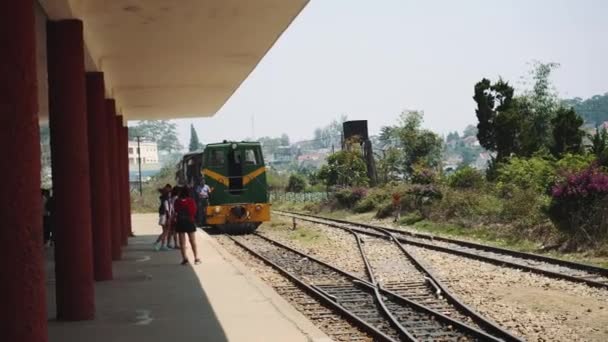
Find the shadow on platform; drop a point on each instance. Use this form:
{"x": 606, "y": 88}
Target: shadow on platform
{"x": 152, "y": 298}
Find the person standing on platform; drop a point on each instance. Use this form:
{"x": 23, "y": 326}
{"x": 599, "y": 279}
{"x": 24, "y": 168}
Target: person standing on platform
{"x": 203, "y": 194}
{"x": 185, "y": 211}
{"x": 163, "y": 219}
{"x": 172, "y": 217}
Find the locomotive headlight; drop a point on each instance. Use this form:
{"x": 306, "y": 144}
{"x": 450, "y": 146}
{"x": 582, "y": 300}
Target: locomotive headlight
{"x": 258, "y": 207}
{"x": 217, "y": 210}
{"x": 234, "y": 146}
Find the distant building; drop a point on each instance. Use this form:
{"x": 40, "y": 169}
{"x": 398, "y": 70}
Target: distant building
{"x": 470, "y": 141}
{"x": 282, "y": 155}
{"x": 148, "y": 153}
{"x": 315, "y": 159}
{"x": 482, "y": 160}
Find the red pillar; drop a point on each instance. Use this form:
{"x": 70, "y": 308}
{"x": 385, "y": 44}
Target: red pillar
{"x": 127, "y": 185}
{"x": 113, "y": 171}
{"x": 71, "y": 185}
{"x": 100, "y": 177}
{"x": 22, "y": 294}
{"x": 120, "y": 179}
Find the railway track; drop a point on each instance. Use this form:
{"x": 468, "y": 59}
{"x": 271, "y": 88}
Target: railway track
{"x": 555, "y": 268}
{"x": 384, "y": 314}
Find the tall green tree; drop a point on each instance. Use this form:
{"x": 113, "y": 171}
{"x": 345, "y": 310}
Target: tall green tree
{"x": 567, "y": 133}
{"x": 195, "y": 144}
{"x": 498, "y": 125}
{"x": 599, "y": 145}
{"x": 410, "y": 144}
{"x": 522, "y": 125}
{"x": 162, "y": 132}
{"x": 540, "y": 104}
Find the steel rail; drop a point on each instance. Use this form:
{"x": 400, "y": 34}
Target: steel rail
{"x": 368, "y": 268}
{"x": 319, "y": 294}
{"x": 501, "y": 334}
{"x": 402, "y": 236}
{"x": 486, "y": 324}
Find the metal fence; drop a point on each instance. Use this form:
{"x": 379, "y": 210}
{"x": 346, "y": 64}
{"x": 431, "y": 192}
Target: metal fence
{"x": 301, "y": 197}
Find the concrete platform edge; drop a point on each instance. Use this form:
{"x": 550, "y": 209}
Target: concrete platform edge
{"x": 302, "y": 323}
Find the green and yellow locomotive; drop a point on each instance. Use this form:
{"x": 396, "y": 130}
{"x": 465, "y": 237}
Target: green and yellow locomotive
{"x": 237, "y": 175}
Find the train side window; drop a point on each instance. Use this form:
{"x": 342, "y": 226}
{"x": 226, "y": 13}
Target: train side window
{"x": 217, "y": 158}
{"x": 250, "y": 157}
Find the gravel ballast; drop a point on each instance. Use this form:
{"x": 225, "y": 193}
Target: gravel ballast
{"x": 532, "y": 306}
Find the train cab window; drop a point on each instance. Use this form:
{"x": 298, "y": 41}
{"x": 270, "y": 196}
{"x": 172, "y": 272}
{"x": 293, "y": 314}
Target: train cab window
{"x": 216, "y": 158}
{"x": 250, "y": 157}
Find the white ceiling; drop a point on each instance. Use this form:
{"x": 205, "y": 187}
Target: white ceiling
{"x": 175, "y": 58}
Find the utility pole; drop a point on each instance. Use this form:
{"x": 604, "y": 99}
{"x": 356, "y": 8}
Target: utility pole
{"x": 141, "y": 192}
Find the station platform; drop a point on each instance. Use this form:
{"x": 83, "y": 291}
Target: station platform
{"x": 154, "y": 299}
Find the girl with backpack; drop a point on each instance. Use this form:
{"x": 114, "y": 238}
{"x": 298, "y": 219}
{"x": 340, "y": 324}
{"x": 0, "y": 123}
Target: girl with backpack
{"x": 185, "y": 212}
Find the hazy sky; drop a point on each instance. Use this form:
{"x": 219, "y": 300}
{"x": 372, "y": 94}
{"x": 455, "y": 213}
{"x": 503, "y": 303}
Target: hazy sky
{"x": 372, "y": 59}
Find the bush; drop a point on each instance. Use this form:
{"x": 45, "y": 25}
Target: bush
{"x": 374, "y": 198}
{"x": 348, "y": 197}
{"x": 524, "y": 208}
{"x": 466, "y": 178}
{"x": 571, "y": 163}
{"x": 579, "y": 205}
{"x": 385, "y": 210}
{"x": 423, "y": 196}
{"x": 296, "y": 183}
{"x": 423, "y": 175}
{"x": 365, "y": 205}
{"x": 533, "y": 173}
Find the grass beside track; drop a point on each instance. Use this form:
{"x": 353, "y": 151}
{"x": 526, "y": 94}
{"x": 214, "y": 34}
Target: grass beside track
{"x": 505, "y": 238}
{"x": 302, "y": 234}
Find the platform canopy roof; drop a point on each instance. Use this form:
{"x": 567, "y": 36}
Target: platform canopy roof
{"x": 167, "y": 59}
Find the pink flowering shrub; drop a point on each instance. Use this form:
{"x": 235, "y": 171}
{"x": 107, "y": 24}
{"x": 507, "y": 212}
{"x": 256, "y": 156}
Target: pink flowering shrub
{"x": 587, "y": 183}
{"x": 579, "y": 203}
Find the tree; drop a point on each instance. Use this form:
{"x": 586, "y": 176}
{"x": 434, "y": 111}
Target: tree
{"x": 469, "y": 156}
{"x": 344, "y": 168}
{"x": 452, "y": 136}
{"x": 541, "y": 104}
{"x": 194, "y": 142}
{"x": 469, "y": 131}
{"x": 407, "y": 144}
{"x": 296, "y": 183}
{"x": 567, "y": 133}
{"x": 390, "y": 165}
{"x": 388, "y": 137}
{"x": 329, "y": 135}
{"x": 494, "y": 114}
{"x": 594, "y": 110}
{"x": 599, "y": 145}
{"x": 162, "y": 132}
{"x": 419, "y": 146}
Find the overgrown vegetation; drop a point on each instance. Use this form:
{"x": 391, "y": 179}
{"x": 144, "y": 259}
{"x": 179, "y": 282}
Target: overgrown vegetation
{"x": 148, "y": 201}
{"x": 547, "y": 184}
